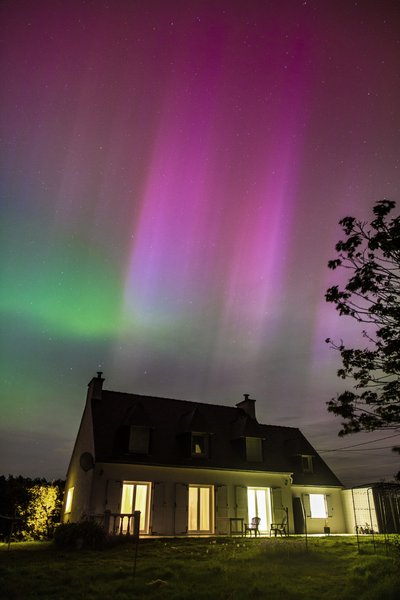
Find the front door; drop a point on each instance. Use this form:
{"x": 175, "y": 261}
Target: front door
{"x": 259, "y": 505}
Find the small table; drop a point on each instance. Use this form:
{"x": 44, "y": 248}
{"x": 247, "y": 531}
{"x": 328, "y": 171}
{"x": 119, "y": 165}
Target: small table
{"x": 238, "y": 522}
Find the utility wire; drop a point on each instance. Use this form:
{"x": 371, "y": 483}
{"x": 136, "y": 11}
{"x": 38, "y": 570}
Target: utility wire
{"x": 358, "y": 449}
{"x": 362, "y": 444}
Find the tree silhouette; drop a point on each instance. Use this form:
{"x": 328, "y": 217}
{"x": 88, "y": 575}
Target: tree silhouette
{"x": 371, "y": 254}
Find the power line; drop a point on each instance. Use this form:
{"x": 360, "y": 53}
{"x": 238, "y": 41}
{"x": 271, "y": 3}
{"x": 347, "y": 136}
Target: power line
{"x": 388, "y": 437}
{"x": 359, "y": 449}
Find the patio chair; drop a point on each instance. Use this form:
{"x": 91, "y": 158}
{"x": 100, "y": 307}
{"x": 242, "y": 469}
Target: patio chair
{"x": 252, "y": 526}
{"x": 279, "y": 527}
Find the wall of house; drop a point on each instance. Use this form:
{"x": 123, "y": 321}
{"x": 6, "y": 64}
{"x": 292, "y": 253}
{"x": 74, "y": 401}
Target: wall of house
{"x": 335, "y": 518}
{"x": 359, "y": 509}
{"x": 77, "y": 477}
{"x": 168, "y": 515}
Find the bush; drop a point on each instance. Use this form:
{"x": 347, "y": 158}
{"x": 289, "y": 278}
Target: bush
{"x": 75, "y": 536}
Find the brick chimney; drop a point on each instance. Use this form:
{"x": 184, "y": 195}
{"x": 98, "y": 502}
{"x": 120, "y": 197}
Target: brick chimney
{"x": 96, "y": 386}
{"x": 248, "y": 405}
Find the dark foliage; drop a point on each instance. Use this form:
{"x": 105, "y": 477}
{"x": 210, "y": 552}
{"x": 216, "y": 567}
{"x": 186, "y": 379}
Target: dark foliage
{"x": 76, "y": 536}
{"x": 371, "y": 254}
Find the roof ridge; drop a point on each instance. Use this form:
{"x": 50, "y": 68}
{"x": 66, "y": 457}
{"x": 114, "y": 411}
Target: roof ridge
{"x": 173, "y": 399}
{"x": 195, "y": 402}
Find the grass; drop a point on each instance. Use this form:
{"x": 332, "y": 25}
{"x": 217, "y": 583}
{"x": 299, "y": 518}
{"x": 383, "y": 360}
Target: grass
{"x": 202, "y": 568}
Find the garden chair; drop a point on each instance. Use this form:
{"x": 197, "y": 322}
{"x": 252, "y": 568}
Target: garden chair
{"x": 252, "y": 526}
{"x": 279, "y": 527}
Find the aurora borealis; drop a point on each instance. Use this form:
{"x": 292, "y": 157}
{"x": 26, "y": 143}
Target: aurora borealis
{"x": 173, "y": 173}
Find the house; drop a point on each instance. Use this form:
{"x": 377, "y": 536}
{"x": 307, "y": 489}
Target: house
{"x": 192, "y": 468}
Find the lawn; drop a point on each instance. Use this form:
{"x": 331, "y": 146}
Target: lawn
{"x": 226, "y": 568}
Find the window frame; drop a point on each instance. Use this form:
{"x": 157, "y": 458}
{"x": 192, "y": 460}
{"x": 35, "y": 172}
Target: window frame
{"x": 260, "y": 450}
{"x": 313, "y": 508}
{"x": 211, "y": 508}
{"x": 146, "y": 517}
{"x": 131, "y": 447}
{"x": 206, "y": 439}
{"x": 307, "y": 463}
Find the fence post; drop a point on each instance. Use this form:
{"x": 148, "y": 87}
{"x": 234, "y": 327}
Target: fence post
{"x": 136, "y": 529}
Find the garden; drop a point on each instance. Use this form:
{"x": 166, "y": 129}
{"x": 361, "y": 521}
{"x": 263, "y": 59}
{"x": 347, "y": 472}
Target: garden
{"x": 293, "y": 568}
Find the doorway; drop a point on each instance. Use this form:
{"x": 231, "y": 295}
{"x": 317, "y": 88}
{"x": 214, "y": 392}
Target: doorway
{"x": 200, "y": 509}
{"x": 136, "y": 496}
{"x": 259, "y": 505}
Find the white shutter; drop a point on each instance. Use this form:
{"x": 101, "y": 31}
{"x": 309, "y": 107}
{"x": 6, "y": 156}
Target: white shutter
{"x": 278, "y": 512}
{"x": 158, "y": 508}
{"x": 181, "y": 508}
{"x": 241, "y": 501}
{"x": 329, "y": 505}
{"x": 221, "y": 504}
{"x": 306, "y": 505}
{"x": 113, "y": 495}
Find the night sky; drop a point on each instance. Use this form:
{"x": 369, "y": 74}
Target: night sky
{"x": 173, "y": 174}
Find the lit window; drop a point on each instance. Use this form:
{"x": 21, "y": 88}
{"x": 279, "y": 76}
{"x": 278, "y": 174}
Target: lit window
{"x": 318, "y": 506}
{"x": 68, "y": 502}
{"x": 200, "y": 508}
{"x": 199, "y": 444}
{"x": 307, "y": 464}
{"x": 139, "y": 440}
{"x": 254, "y": 449}
{"x": 136, "y": 496}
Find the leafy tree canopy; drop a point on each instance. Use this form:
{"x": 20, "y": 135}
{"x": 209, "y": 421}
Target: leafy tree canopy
{"x": 42, "y": 512}
{"x": 371, "y": 254}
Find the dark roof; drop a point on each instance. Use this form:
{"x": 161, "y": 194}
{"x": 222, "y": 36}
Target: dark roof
{"x": 171, "y": 422}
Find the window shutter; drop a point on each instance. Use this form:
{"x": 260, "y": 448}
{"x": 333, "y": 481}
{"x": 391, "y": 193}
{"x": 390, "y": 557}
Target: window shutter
{"x": 181, "y": 508}
{"x": 221, "y": 505}
{"x": 278, "y": 511}
{"x": 114, "y": 495}
{"x": 158, "y": 508}
{"x": 329, "y": 505}
{"x": 306, "y": 505}
{"x": 241, "y": 501}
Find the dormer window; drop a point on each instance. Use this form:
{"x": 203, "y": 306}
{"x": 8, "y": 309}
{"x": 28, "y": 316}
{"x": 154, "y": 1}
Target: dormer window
{"x": 139, "y": 439}
{"x": 254, "y": 449}
{"x": 199, "y": 445}
{"x": 306, "y": 463}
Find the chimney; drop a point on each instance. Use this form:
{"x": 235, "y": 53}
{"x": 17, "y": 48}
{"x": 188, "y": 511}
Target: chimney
{"x": 248, "y": 405}
{"x": 96, "y": 386}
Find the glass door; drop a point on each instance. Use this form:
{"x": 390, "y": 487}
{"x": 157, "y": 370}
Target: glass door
{"x": 200, "y": 509}
{"x": 259, "y": 505}
{"x": 136, "y": 496}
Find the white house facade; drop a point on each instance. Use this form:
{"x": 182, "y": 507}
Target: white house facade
{"x": 195, "y": 469}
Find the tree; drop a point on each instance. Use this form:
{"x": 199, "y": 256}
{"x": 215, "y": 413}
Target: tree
{"x": 371, "y": 254}
{"x": 42, "y": 512}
